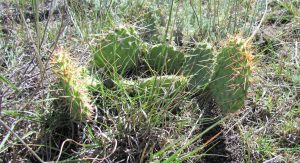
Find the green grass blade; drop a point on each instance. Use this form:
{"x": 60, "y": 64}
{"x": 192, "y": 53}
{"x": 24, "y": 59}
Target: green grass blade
{"x": 10, "y": 84}
{"x": 2, "y": 145}
{"x": 175, "y": 155}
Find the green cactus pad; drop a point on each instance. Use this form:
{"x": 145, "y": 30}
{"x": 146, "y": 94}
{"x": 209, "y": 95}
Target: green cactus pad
{"x": 230, "y": 80}
{"x": 165, "y": 59}
{"x": 199, "y": 65}
{"x": 119, "y": 49}
{"x": 74, "y": 84}
{"x": 160, "y": 84}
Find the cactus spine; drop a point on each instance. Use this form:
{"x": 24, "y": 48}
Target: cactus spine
{"x": 74, "y": 83}
{"x": 232, "y": 71}
{"x": 119, "y": 49}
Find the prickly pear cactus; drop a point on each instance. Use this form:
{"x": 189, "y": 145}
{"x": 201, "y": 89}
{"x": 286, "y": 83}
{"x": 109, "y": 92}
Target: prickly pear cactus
{"x": 74, "y": 84}
{"x": 118, "y": 50}
{"x": 160, "y": 84}
{"x": 232, "y": 71}
{"x": 167, "y": 82}
{"x": 199, "y": 65}
{"x": 164, "y": 58}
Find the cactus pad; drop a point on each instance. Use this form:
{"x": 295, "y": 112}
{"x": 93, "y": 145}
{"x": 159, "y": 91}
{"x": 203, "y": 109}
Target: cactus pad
{"x": 160, "y": 84}
{"x": 230, "y": 80}
{"x": 119, "y": 49}
{"x": 164, "y": 58}
{"x": 73, "y": 82}
{"x": 199, "y": 65}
